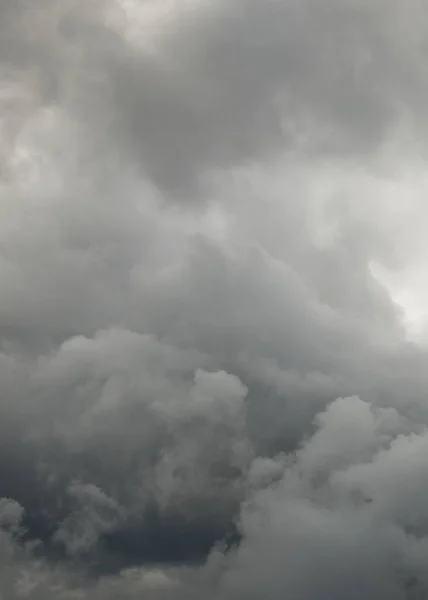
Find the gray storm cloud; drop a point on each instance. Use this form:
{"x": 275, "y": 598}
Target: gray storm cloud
{"x": 205, "y": 389}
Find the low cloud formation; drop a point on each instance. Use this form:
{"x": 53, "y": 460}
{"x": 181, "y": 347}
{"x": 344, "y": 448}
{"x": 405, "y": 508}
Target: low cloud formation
{"x": 212, "y": 286}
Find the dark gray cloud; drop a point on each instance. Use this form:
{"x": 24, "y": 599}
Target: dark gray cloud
{"x": 205, "y": 389}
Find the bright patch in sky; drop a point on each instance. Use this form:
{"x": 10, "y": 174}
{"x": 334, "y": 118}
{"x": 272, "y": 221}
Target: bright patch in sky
{"x": 408, "y": 291}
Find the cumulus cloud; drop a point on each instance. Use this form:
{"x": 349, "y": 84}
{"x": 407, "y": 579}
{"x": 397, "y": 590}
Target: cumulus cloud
{"x": 212, "y": 252}
{"x": 347, "y": 516}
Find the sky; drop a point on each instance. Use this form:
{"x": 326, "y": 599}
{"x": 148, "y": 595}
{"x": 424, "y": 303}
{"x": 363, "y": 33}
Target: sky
{"x": 213, "y": 299}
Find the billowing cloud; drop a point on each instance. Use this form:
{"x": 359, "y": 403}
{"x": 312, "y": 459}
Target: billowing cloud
{"x": 346, "y": 517}
{"x": 212, "y": 274}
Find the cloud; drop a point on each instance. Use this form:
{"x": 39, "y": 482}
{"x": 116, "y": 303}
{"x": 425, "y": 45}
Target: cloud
{"x": 211, "y": 84}
{"x": 209, "y": 212}
{"x": 345, "y": 517}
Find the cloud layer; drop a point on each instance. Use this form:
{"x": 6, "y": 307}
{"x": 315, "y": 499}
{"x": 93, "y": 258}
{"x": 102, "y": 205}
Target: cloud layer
{"x": 211, "y": 222}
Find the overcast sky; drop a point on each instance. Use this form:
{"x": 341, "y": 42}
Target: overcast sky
{"x": 213, "y": 299}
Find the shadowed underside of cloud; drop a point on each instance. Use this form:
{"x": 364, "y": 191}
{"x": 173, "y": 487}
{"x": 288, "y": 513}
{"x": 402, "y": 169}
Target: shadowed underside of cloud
{"x": 205, "y": 390}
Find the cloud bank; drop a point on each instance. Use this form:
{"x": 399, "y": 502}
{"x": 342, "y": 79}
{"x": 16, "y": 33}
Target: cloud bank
{"x": 212, "y": 247}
